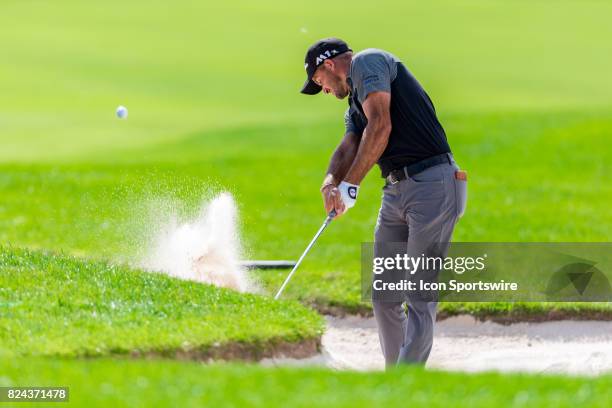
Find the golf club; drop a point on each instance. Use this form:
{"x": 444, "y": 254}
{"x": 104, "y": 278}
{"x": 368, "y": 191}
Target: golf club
{"x": 329, "y": 218}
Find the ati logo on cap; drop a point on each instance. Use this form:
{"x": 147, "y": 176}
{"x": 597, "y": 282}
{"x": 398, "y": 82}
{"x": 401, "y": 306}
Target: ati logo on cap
{"x": 327, "y": 54}
{"x": 352, "y": 192}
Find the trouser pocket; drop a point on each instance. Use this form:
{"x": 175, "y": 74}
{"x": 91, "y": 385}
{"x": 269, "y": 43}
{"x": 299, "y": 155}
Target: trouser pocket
{"x": 460, "y": 196}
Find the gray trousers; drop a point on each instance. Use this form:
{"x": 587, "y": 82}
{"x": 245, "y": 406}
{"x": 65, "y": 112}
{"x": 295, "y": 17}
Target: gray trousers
{"x": 417, "y": 211}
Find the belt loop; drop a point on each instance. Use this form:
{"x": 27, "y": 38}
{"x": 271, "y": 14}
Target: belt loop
{"x": 405, "y": 170}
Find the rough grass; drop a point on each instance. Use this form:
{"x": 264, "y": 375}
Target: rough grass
{"x": 55, "y": 305}
{"x": 164, "y": 383}
{"x": 503, "y": 312}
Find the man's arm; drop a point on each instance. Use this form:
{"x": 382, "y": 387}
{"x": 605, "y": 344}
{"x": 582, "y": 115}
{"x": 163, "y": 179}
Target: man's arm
{"x": 339, "y": 165}
{"x": 342, "y": 159}
{"x": 375, "y": 136}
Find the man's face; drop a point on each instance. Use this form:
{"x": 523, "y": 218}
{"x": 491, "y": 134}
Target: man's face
{"x": 330, "y": 77}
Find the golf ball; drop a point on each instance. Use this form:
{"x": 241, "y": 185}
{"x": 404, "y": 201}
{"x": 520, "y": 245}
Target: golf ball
{"x": 122, "y": 112}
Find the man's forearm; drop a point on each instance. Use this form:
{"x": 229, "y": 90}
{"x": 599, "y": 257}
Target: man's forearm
{"x": 341, "y": 160}
{"x": 373, "y": 144}
{"x": 338, "y": 167}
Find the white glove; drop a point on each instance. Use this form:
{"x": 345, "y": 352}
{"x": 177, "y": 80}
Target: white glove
{"x": 348, "y": 192}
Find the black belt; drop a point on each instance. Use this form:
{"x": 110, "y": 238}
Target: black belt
{"x": 397, "y": 175}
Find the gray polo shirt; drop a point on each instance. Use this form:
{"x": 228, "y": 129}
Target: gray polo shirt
{"x": 416, "y": 133}
{"x": 371, "y": 70}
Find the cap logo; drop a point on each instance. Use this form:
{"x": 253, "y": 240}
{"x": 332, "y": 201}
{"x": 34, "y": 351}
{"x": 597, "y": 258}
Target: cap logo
{"x": 327, "y": 54}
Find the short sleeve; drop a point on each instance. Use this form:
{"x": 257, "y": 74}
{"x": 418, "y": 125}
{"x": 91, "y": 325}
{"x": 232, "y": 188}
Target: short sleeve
{"x": 348, "y": 122}
{"x": 371, "y": 73}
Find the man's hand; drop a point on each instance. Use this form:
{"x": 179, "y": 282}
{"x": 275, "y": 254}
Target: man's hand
{"x": 338, "y": 166}
{"x": 348, "y": 192}
{"x": 332, "y": 198}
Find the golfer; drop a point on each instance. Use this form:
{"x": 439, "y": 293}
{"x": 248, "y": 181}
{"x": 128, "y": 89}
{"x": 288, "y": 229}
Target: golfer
{"x": 390, "y": 121}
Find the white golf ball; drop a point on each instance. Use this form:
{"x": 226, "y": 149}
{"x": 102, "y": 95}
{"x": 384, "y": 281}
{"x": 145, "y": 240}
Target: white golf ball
{"x": 122, "y": 112}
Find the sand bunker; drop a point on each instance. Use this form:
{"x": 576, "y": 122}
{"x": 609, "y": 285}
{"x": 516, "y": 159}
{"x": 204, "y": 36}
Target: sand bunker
{"x": 464, "y": 344}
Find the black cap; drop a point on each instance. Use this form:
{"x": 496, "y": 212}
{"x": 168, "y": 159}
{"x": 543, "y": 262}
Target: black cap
{"x": 317, "y": 53}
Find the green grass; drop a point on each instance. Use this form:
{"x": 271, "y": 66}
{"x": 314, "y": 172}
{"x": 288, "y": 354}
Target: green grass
{"x": 529, "y": 311}
{"x": 532, "y": 178}
{"x": 523, "y": 91}
{"x": 196, "y": 66}
{"x": 163, "y": 383}
{"x": 525, "y": 104}
{"x": 54, "y": 305}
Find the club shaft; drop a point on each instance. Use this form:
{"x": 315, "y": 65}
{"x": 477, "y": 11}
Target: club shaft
{"x": 297, "y": 264}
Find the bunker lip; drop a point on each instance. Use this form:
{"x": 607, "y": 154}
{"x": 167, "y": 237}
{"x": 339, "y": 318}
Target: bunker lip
{"x": 522, "y": 316}
{"x": 327, "y": 308}
{"x": 229, "y": 351}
